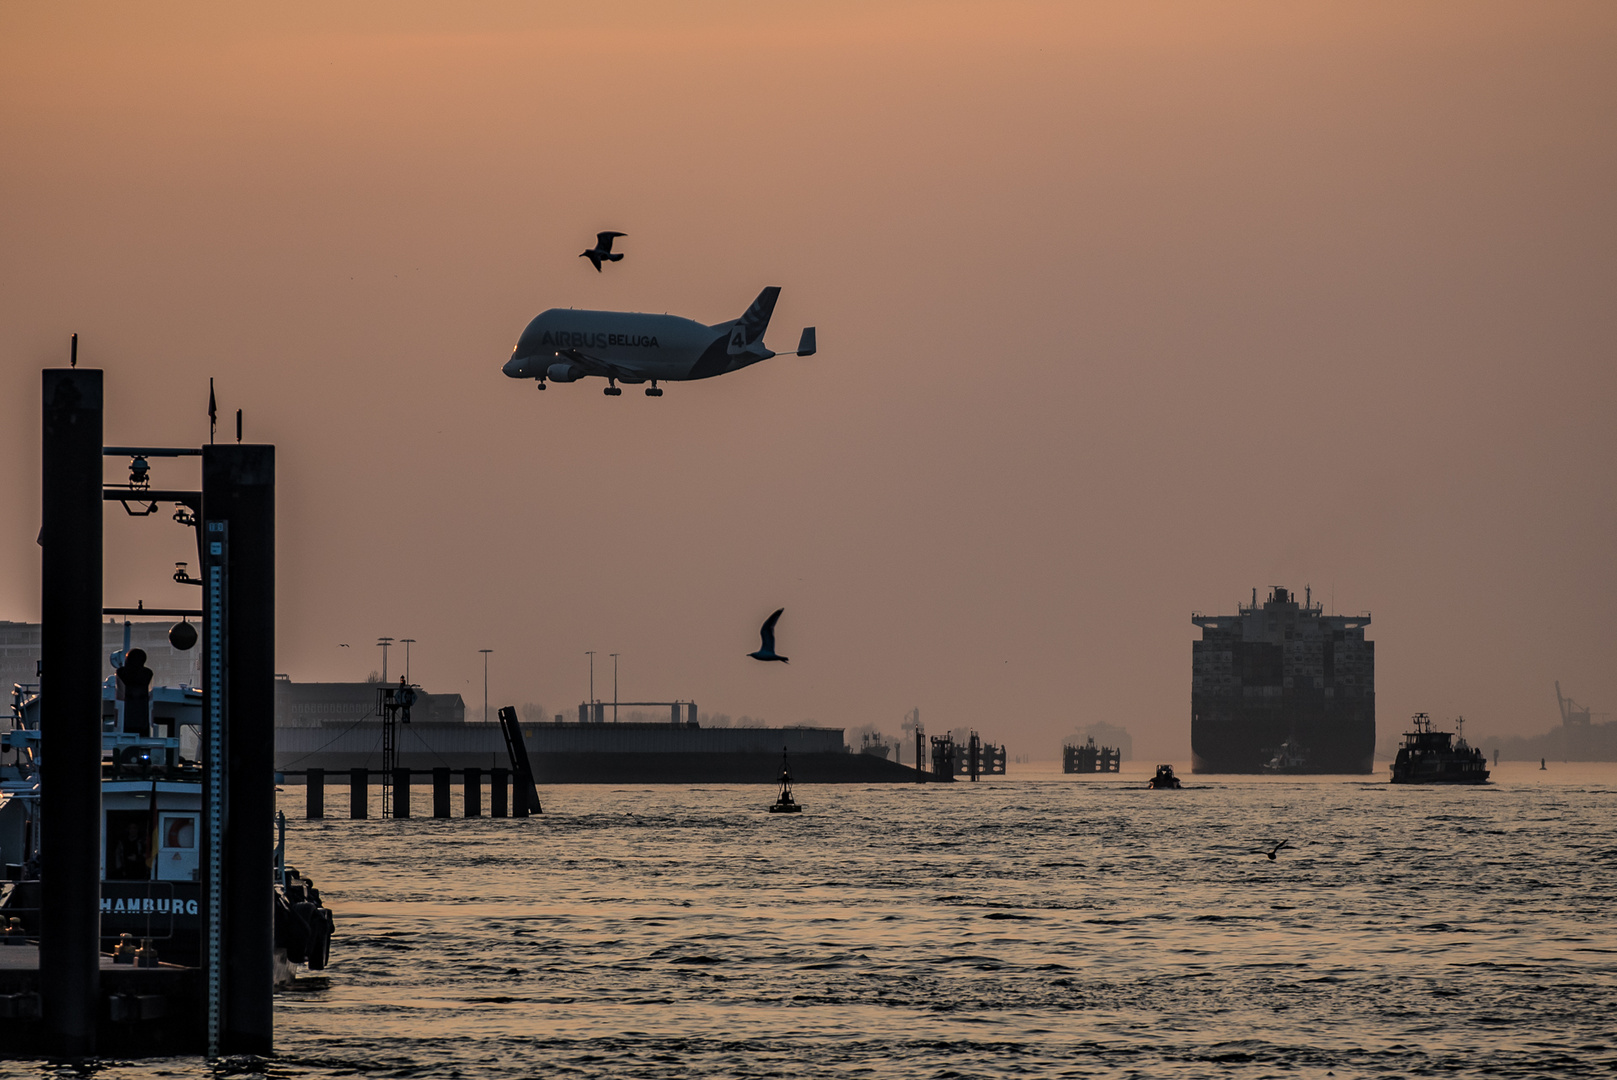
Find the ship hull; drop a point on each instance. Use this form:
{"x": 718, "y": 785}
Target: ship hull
{"x": 1334, "y": 746}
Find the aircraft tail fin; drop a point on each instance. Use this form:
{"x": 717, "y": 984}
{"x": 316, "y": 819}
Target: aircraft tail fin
{"x": 750, "y": 327}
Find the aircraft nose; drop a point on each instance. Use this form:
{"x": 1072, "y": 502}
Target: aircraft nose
{"x": 513, "y": 368}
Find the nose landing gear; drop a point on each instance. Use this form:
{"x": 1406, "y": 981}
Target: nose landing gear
{"x": 541, "y": 384}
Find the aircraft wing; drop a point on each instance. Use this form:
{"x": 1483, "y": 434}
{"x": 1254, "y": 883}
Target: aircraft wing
{"x": 594, "y": 365}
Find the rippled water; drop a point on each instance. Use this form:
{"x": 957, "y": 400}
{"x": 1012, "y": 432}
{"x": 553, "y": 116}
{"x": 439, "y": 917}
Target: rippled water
{"x": 1032, "y": 926}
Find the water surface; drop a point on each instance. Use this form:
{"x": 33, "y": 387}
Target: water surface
{"x": 1037, "y": 925}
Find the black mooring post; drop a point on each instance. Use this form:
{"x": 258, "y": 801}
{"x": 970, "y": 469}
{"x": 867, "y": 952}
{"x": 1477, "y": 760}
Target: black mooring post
{"x": 440, "y": 792}
{"x": 401, "y": 793}
{"x": 70, "y": 700}
{"x": 358, "y": 797}
{"x": 472, "y": 803}
{"x": 238, "y": 492}
{"x": 498, "y": 784}
{"x": 314, "y": 794}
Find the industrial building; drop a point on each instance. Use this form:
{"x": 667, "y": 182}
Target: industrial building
{"x": 319, "y": 704}
{"x": 1282, "y": 688}
{"x": 19, "y": 652}
{"x": 590, "y": 753}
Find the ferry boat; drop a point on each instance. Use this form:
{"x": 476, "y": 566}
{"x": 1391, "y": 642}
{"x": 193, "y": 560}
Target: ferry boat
{"x": 1437, "y": 757}
{"x": 151, "y": 810}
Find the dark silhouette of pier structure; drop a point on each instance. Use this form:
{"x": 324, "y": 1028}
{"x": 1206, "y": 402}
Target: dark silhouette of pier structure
{"x": 79, "y": 1013}
{"x": 513, "y": 789}
{"x": 1090, "y": 758}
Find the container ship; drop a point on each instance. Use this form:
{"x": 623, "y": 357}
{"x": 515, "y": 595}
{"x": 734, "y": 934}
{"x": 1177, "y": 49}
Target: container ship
{"x": 1282, "y": 683}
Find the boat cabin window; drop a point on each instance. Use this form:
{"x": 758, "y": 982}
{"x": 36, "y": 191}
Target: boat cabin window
{"x": 129, "y": 845}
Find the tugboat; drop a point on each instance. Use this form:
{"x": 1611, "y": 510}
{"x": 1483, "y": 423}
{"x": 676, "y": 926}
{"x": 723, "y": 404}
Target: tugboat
{"x": 785, "y": 804}
{"x": 1164, "y": 780}
{"x": 1437, "y": 757}
{"x": 151, "y": 809}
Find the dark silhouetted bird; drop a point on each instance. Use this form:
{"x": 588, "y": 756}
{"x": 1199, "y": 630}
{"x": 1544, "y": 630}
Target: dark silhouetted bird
{"x": 767, "y": 651}
{"x": 1272, "y": 851}
{"x": 602, "y": 251}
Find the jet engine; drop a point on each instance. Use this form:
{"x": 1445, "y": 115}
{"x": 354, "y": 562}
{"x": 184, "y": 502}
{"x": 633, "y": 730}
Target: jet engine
{"x": 563, "y": 373}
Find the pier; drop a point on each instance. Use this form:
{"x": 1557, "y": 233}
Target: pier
{"x": 504, "y": 800}
{"x": 66, "y": 996}
{"x": 1090, "y": 758}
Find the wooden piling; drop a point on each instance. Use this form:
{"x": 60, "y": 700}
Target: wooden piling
{"x": 238, "y": 524}
{"x": 314, "y": 794}
{"x": 401, "y": 793}
{"x": 472, "y": 801}
{"x": 498, "y": 785}
{"x": 358, "y": 796}
{"x": 70, "y": 701}
{"x": 440, "y": 792}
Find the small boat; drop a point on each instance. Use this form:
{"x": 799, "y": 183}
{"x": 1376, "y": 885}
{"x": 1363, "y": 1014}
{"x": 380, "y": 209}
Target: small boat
{"x": 1437, "y": 757}
{"x": 785, "y": 804}
{"x": 1164, "y": 778}
{"x": 876, "y": 746}
{"x": 1290, "y": 757}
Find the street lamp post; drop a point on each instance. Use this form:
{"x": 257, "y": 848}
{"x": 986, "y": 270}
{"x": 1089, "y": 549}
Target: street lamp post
{"x": 590, "y": 716}
{"x": 485, "y": 653}
{"x": 614, "y": 688}
{"x": 384, "y": 643}
{"x": 407, "y": 642}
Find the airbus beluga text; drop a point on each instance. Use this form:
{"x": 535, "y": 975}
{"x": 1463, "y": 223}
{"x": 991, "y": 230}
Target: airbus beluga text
{"x": 564, "y": 345}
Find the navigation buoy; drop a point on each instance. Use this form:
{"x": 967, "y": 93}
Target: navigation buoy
{"x": 785, "y": 804}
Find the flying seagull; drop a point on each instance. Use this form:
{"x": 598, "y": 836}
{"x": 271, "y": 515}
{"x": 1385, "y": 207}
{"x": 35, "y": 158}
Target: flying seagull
{"x": 602, "y": 251}
{"x": 1272, "y": 851}
{"x": 343, "y": 645}
{"x": 767, "y": 652}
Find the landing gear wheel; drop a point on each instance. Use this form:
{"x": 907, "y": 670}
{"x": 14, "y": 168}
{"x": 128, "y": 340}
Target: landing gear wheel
{"x": 613, "y": 391}
{"x": 541, "y": 385}
{"x": 654, "y": 391}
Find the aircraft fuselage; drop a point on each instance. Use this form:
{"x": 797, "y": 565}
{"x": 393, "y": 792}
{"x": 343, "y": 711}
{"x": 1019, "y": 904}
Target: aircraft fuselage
{"x": 567, "y": 344}
{"x": 636, "y": 346}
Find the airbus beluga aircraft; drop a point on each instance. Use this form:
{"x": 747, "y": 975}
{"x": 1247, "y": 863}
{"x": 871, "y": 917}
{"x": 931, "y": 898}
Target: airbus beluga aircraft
{"x": 564, "y": 345}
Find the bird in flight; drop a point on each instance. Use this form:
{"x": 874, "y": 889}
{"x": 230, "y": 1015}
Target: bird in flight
{"x": 602, "y": 251}
{"x": 767, "y": 650}
{"x": 342, "y": 645}
{"x": 1274, "y": 850}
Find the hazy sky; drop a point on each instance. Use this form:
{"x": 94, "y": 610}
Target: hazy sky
{"x": 1123, "y": 309}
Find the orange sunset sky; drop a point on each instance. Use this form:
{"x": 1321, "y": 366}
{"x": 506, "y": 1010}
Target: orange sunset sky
{"x": 1123, "y": 310}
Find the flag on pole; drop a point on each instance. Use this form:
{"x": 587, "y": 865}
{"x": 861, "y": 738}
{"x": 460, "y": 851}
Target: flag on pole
{"x": 213, "y": 412}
